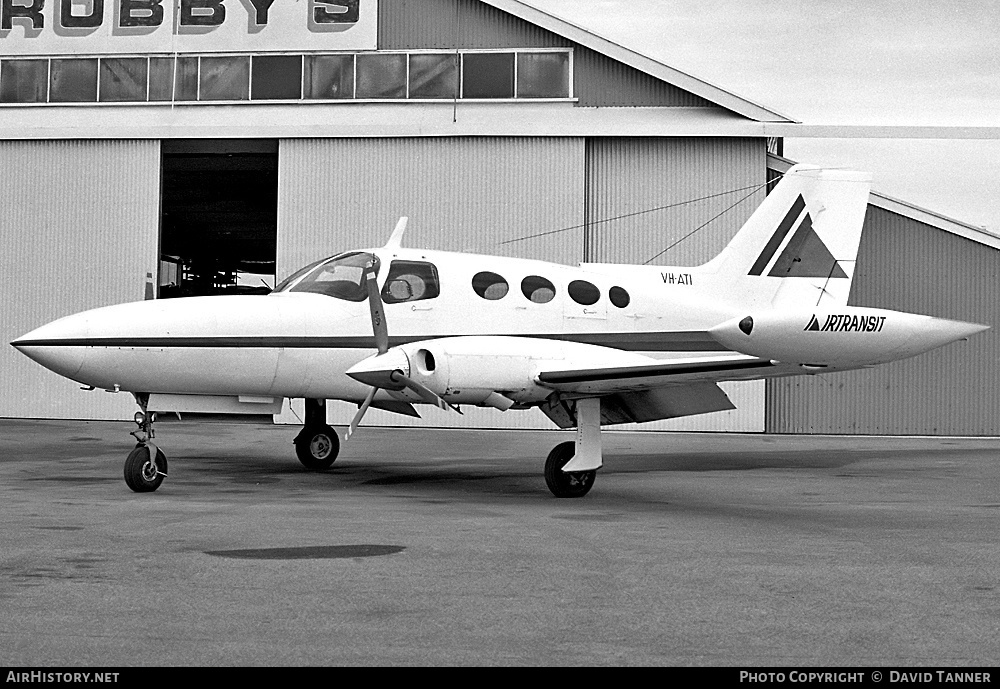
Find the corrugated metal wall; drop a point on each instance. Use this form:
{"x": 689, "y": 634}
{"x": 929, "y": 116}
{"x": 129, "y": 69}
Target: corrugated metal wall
{"x": 908, "y": 266}
{"x": 426, "y": 24}
{"x": 630, "y": 175}
{"x": 455, "y": 24}
{"x": 462, "y": 194}
{"x": 79, "y": 229}
{"x": 601, "y": 81}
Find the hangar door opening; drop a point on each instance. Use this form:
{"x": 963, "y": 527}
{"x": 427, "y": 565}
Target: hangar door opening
{"x": 219, "y": 217}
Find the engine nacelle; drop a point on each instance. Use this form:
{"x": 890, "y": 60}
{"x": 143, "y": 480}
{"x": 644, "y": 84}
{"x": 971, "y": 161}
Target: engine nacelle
{"x": 844, "y": 337}
{"x": 492, "y": 371}
{"x": 478, "y": 370}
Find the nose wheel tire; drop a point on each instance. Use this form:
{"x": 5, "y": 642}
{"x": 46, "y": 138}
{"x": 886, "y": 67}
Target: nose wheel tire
{"x": 317, "y": 448}
{"x": 563, "y": 484}
{"x": 141, "y": 474}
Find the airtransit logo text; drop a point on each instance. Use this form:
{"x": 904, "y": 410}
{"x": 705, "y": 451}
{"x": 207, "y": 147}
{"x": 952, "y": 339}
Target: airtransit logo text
{"x": 846, "y": 322}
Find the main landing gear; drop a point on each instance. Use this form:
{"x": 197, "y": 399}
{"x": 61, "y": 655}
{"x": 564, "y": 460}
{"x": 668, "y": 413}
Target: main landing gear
{"x": 317, "y": 444}
{"x": 146, "y": 465}
{"x": 566, "y": 484}
{"x": 571, "y": 467}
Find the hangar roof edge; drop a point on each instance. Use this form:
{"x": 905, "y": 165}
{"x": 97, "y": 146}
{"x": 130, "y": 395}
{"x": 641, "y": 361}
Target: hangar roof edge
{"x": 909, "y": 210}
{"x": 638, "y": 61}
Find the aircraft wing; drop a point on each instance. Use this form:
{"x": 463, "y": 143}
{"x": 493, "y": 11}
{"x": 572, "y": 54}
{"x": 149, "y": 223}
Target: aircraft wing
{"x": 673, "y": 372}
{"x": 636, "y": 393}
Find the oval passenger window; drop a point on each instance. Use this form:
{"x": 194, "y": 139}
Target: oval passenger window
{"x": 490, "y": 286}
{"x": 583, "y": 292}
{"x": 619, "y": 297}
{"x": 538, "y": 289}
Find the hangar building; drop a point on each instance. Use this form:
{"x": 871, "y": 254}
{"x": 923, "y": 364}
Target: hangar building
{"x": 153, "y": 149}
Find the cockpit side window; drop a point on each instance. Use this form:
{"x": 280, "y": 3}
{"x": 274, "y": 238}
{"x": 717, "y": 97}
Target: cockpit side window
{"x": 411, "y": 281}
{"x": 342, "y": 277}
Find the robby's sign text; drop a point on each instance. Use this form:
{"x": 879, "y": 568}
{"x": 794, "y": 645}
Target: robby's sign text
{"x": 114, "y": 27}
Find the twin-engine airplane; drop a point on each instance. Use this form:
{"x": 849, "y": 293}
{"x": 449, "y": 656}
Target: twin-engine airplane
{"x": 590, "y": 345}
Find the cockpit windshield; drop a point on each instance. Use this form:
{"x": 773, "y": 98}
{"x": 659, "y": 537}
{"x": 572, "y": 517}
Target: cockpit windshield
{"x": 342, "y": 277}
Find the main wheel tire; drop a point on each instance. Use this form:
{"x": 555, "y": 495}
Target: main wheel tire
{"x": 142, "y": 475}
{"x": 574, "y": 484}
{"x": 317, "y": 448}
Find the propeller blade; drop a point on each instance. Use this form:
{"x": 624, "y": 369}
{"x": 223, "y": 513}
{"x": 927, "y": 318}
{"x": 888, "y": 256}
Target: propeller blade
{"x": 378, "y": 312}
{"x": 426, "y": 394}
{"x": 361, "y": 412}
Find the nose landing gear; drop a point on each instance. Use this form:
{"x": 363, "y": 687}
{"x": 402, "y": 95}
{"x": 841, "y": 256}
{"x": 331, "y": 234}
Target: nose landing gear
{"x": 146, "y": 465}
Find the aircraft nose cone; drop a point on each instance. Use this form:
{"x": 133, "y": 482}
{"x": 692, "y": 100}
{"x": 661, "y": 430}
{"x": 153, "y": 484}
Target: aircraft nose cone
{"x": 58, "y": 346}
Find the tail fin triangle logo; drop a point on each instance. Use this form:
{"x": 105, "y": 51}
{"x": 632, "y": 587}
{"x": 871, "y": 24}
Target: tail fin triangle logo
{"x": 805, "y": 254}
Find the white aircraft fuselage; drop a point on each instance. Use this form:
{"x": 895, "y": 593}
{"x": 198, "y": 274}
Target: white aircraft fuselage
{"x": 300, "y": 344}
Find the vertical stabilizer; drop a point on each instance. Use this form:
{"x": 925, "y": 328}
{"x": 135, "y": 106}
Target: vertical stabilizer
{"x": 800, "y": 247}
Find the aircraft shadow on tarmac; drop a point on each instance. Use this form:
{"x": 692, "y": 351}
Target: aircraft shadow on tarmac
{"x": 519, "y": 475}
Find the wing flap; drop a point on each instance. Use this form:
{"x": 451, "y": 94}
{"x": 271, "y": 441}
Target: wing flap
{"x": 623, "y": 379}
{"x": 664, "y": 403}
{"x": 645, "y": 405}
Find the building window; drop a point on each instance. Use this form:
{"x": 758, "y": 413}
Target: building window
{"x": 224, "y": 78}
{"x": 420, "y": 75}
{"x": 488, "y": 75}
{"x": 161, "y": 78}
{"x": 329, "y": 76}
{"x": 73, "y": 80}
{"x": 490, "y": 286}
{"x": 434, "y": 76}
{"x": 276, "y": 77}
{"x": 123, "y": 79}
{"x": 24, "y": 81}
{"x": 584, "y": 293}
{"x": 381, "y": 75}
{"x": 537, "y": 289}
{"x": 543, "y": 75}
{"x": 173, "y": 80}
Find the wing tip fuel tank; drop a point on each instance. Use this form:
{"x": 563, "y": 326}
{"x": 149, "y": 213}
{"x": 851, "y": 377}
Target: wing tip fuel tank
{"x": 842, "y": 337}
